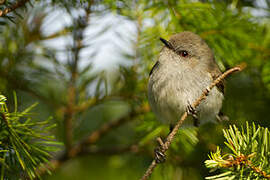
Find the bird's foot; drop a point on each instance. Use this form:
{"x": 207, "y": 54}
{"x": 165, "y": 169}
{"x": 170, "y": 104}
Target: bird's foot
{"x": 222, "y": 117}
{"x": 196, "y": 122}
{"x": 192, "y": 111}
{"x": 160, "y": 157}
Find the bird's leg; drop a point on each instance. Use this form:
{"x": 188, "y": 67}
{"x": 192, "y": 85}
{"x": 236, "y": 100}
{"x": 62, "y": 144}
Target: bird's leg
{"x": 192, "y": 111}
{"x": 159, "y": 154}
{"x": 222, "y": 117}
{"x": 171, "y": 128}
{"x": 196, "y": 122}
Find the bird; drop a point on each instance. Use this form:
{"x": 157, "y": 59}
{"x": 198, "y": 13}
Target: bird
{"x": 185, "y": 68}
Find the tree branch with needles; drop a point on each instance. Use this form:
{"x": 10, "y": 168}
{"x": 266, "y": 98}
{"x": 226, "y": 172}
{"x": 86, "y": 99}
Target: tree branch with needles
{"x": 83, "y": 148}
{"x": 15, "y": 6}
{"x": 165, "y": 145}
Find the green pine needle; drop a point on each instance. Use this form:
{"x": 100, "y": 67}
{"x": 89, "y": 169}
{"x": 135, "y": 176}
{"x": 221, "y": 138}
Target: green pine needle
{"x": 249, "y": 156}
{"x": 26, "y": 143}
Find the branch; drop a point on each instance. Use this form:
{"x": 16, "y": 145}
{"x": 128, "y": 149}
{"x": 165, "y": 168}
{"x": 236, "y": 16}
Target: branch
{"x": 56, "y": 163}
{"x": 243, "y": 160}
{"x": 13, "y": 7}
{"x": 4, "y": 118}
{"x": 170, "y": 137}
{"x": 96, "y": 135}
{"x": 91, "y": 139}
{"x": 70, "y": 112}
{"x": 135, "y": 148}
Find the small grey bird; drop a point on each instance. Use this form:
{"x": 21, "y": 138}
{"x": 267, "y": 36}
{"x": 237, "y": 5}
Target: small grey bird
{"x": 185, "y": 68}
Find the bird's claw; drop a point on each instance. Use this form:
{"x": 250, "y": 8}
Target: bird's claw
{"x": 160, "y": 157}
{"x": 192, "y": 111}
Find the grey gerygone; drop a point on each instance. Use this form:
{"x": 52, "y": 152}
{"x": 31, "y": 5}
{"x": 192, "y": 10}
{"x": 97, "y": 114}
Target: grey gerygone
{"x": 185, "y": 68}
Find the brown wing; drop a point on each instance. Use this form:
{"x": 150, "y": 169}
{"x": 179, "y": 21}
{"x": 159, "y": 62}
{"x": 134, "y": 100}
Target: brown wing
{"x": 154, "y": 67}
{"x": 215, "y": 72}
{"x": 221, "y": 84}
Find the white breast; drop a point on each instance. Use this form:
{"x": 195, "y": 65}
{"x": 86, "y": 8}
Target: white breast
{"x": 170, "y": 91}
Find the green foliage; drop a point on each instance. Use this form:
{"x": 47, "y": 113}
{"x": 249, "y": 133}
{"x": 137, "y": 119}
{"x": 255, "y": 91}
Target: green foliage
{"x": 248, "y": 157}
{"x": 56, "y": 62}
{"x": 24, "y": 143}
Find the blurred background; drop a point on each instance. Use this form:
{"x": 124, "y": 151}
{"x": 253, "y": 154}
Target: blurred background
{"x": 87, "y": 63}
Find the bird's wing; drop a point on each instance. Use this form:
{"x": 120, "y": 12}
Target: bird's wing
{"x": 221, "y": 85}
{"x": 154, "y": 67}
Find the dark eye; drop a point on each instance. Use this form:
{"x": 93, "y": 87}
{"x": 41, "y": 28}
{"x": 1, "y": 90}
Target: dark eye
{"x": 183, "y": 53}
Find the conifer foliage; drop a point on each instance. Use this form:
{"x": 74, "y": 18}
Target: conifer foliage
{"x": 24, "y": 143}
{"x": 248, "y": 156}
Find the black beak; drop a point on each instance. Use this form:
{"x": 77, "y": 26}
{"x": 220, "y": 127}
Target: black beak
{"x": 166, "y": 43}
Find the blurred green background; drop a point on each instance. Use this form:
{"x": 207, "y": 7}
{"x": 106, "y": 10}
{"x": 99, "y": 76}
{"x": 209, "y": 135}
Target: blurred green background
{"x": 87, "y": 63}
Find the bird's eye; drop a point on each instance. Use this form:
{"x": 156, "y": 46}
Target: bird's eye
{"x": 183, "y": 53}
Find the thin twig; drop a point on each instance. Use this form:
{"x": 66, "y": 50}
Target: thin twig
{"x": 5, "y": 119}
{"x": 135, "y": 148}
{"x": 13, "y": 7}
{"x": 243, "y": 160}
{"x": 94, "y": 136}
{"x": 170, "y": 137}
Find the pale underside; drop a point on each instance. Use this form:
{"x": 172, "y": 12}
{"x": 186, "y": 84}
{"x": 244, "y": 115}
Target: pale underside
{"x": 170, "y": 91}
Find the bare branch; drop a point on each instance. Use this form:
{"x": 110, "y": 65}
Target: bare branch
{"x": 112, "y": 151}
{"x": 94, "y": 136}
{"x": 13, "y": 7}
{"x": 170, "y": 137}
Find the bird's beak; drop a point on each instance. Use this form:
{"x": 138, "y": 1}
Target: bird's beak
{"x": 166, "y": 43}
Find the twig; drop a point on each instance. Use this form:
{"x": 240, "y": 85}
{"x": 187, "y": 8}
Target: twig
{"x": 135, "y": 148}
{"x": 243, "y": 160}
{"x": 69, "y": 115}
{"x": 175, "y": 13}
{"x": 94, "y": 136}
{"x": 207, "y": 33}
{"x": 13, "y": 7}
{"x": 5, "y": 119}
{"x": 170, "y": 137}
